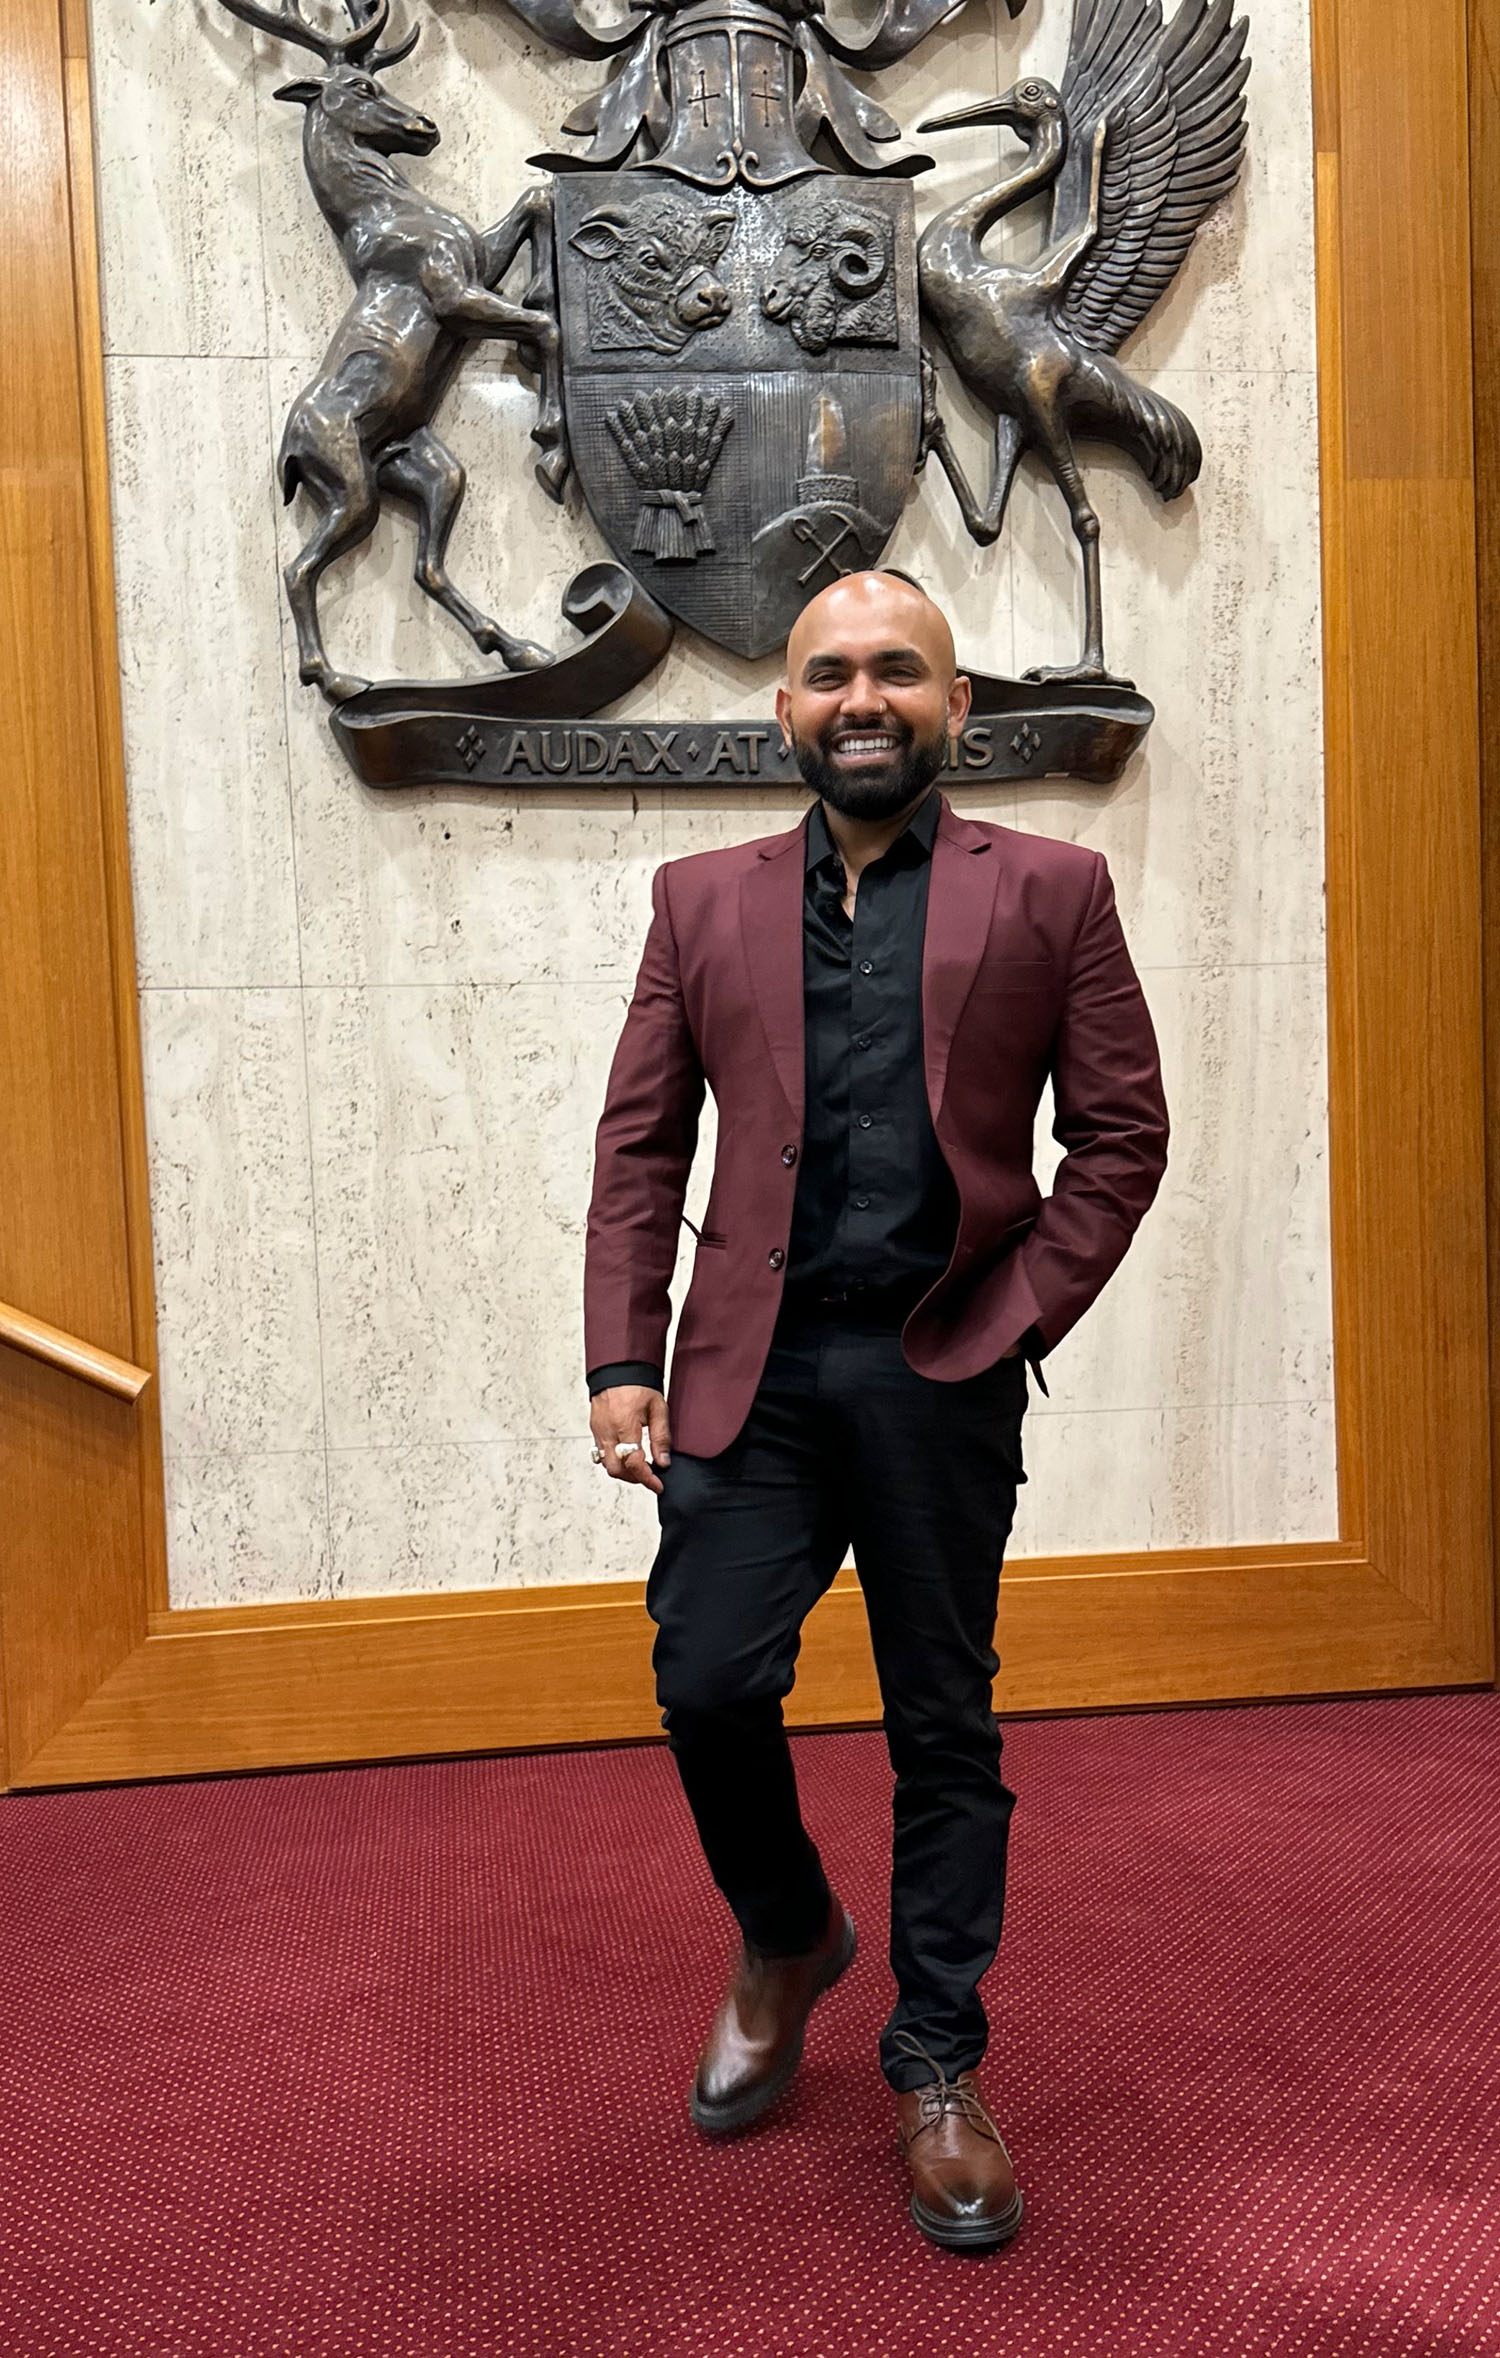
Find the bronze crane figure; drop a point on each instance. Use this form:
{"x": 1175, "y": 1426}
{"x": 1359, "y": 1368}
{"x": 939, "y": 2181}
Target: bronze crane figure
{"x": 1144, "y": 138}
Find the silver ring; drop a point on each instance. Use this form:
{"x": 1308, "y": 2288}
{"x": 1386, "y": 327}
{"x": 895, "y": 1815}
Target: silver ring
{"x": 597, "y": 1454}
{"x": 627, "y": 1448}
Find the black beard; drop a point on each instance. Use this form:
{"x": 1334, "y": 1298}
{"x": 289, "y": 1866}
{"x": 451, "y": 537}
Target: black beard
{"x": 874, "y": 793}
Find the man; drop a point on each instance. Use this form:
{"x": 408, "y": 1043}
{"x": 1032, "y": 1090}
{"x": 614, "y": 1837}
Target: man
{"x": 876, "y": 1000}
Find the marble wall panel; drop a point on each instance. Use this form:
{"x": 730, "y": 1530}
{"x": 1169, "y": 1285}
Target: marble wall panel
{"x": 697, "y": 821}
{"x": 1224, "y": 1294}
{"x": 1215, "y": 1476}
{"x": 371, "y": 1136}
{"x": 1214, "y": 835}
{"x": 248, "y": 1527}
{"x": 204, "y": 710}
{"x": 449, "y": 886}
{"x": 963, "y": 61}
{"x": 527, "y": 1513}
{"x": 178, "y": 174}
{"x": 452, "y": 1143}
{"x": 232, "y": 1221}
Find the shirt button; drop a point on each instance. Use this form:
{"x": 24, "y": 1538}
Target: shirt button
{"x": 864, "y": 1121}
{"x": 861, "y": 1203}
{"x": 865, "y": 966}
{"x": 863, "y": 1040}
{"x": 789, "y": 1155}
{"x": 776, "y": 1256}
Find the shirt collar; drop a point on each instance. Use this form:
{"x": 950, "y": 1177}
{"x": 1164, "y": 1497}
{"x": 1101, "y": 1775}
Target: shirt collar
{"x": 920, "y": 831}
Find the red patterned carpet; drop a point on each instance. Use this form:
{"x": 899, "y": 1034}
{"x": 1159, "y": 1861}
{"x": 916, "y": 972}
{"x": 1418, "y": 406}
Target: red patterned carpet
{"x": 390, "y": 2063}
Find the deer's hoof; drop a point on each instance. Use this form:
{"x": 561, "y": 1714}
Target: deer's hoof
{"x": 552, "y": 473}
{"x": 526, "y": 655}
{"x": 337, "y": 686}
{"x": 1075, "y": 675}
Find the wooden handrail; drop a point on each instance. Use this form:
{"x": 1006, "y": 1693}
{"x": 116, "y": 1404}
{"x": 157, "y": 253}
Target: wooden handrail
{"x": 59, "y": 1349}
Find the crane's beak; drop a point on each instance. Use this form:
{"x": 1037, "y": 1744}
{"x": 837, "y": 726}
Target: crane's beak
{"x": 969, "y": 118}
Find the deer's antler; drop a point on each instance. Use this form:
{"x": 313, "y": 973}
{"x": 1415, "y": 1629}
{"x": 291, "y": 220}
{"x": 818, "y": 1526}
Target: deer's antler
{"x": 359, "y": 46}
{"x": 287, "y": 23}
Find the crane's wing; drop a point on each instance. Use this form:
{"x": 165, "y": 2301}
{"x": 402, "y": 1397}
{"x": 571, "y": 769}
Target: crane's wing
{"x": 1173, "y": 98}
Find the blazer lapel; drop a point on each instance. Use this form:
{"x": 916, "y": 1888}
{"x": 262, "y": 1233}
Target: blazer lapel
{"x": 771, "y": 924}
{"x": 960, "y": 899}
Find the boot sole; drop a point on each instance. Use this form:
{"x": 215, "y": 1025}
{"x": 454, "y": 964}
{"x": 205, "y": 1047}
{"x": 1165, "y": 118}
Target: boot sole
{"x": 968, "y": 2235}
{"x": 728, "y": 2120}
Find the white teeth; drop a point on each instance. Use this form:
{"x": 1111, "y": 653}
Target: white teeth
{"x": 866, "y": 744}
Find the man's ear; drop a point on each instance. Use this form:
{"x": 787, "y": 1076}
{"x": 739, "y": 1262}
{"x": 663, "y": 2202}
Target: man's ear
{"x": 300, "y": 93}
{"x": 960, "y": 697}
{"x": 783, "y": 707}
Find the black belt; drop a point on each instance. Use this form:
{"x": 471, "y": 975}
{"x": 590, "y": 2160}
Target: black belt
{"x": 874, "y": 1305}
{"x": 870, "y": 1305}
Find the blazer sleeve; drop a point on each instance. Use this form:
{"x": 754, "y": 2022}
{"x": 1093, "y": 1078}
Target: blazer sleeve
{"x": 643, "y": 1153}
{"x": 1110, "y": 1118}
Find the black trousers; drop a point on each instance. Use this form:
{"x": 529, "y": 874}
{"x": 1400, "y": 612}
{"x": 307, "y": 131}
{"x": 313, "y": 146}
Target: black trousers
{"x": 844, "y": 1444}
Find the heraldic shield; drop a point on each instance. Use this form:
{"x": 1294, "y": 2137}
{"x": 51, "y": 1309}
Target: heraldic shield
{"x": 742, "y": 381}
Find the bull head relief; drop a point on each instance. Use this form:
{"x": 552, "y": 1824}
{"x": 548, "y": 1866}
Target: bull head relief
{"x": 651, "y": 280}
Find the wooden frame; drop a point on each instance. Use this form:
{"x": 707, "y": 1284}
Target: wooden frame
{"x": 101, "y": 1680}
{"x": 1484, "y": 217}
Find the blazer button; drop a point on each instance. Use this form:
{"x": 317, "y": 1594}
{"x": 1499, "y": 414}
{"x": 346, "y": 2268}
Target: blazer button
{"x": 776, "y": 1256}
{"x": 789, "y": 1155}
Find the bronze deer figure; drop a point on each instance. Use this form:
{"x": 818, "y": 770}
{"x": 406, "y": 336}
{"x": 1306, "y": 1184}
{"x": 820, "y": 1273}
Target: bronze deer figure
{"x": 424, "y": 288}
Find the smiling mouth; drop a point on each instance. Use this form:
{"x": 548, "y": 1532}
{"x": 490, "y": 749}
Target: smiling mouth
{"x": 865, "y": 745}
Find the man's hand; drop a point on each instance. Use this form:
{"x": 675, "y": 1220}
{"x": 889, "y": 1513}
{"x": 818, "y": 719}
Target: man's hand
{"x": 622, "y": 1414}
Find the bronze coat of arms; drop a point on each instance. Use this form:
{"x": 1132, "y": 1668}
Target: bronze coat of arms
{"x": 739, "y": 339}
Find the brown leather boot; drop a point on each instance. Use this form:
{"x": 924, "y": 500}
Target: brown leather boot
{"x": 964, "y": 2191}
{"x": 754, "y": 2044}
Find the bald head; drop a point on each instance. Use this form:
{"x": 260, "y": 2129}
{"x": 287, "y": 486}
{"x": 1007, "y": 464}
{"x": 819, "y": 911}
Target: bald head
{"x": 871, "y": 695}
{"x": 859, "y": 607}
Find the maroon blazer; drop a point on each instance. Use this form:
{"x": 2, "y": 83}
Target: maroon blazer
{"x": 1024, "y": 973}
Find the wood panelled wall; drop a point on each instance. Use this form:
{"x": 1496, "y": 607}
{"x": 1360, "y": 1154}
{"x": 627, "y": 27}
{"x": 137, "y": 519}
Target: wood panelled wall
{"x": 101, "y": 1680}
{"x": 81, "y": 1547}
{"x": 1484, "y": 217}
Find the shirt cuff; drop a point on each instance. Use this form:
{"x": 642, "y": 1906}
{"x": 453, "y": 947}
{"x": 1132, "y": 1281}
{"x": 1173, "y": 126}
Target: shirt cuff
{"x": 625, "y": 1371}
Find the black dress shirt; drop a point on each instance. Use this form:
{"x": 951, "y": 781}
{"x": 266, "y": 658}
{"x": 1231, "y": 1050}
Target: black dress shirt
{"x": 875, "y": 1207}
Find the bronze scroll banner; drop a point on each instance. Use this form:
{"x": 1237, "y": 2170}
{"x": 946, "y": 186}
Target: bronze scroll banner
{"x": 401, "y": 736}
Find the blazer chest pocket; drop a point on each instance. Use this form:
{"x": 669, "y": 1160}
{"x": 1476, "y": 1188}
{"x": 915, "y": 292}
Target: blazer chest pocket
{"x": 1008, "y": 990}
{"x": 1003, "y": 975}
